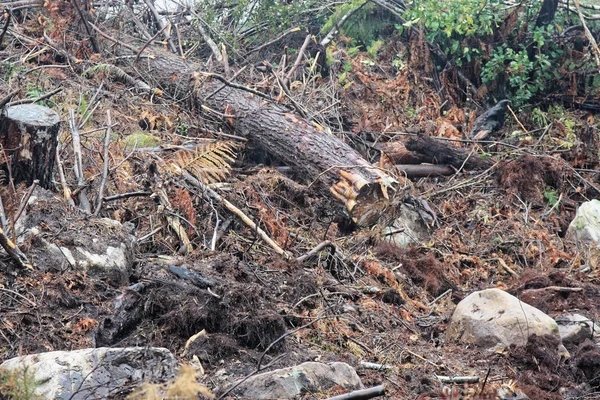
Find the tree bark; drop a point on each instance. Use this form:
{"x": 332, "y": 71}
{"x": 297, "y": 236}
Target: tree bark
{"x": 397, "y": 153}
{"x": 547, "y": 12}
{"x": 424, "y": 171}
{"x": 307, "y": 147}
{"x": 29, "y": 136}
{"x": 438, "y": 152}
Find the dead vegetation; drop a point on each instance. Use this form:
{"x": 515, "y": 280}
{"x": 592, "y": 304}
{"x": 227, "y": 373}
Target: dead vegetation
{"x": 200, "y": 265}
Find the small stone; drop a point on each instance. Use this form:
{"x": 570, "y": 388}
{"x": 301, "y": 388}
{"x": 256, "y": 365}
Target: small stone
{"x": 575, "y": 328}
{"x": 310, "y": 377}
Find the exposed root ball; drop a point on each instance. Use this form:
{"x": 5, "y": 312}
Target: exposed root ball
{"x": 528, "y": 176}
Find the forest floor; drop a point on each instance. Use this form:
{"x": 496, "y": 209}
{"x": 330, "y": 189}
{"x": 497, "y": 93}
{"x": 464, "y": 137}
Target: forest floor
{"x": 369, "y": 300}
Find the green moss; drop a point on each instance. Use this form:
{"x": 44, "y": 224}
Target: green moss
{"x": 141, "y": 139}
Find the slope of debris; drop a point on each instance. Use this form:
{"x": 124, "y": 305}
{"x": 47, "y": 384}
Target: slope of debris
{"x": 360, "y": 299}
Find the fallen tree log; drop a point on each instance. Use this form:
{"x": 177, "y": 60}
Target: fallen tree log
{"x": 313, "y": 152}
{"x": 439, "y": 152}
{"x": 397, "y": 153}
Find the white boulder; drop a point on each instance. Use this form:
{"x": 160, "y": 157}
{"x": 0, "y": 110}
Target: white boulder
{"x": 93, "y": 374}
{"x": 494, "y": 319}
{"x": 586, "y": 224}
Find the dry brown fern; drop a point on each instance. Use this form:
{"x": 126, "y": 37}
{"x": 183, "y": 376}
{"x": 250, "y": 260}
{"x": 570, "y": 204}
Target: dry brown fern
{"x": 183, "y": 202}
{"x": 184, "y": 387}
{"x": 209, "y": 163}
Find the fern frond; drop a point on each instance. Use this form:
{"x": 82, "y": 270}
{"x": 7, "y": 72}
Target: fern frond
{"x": 210, "y": 163}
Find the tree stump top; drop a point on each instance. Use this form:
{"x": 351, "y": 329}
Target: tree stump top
{"x": 32, "y": 115}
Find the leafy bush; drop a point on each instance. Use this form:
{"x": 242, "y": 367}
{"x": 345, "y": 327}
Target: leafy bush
{"x": 455, "y": 25}
{"x": 366, "y": 25}
{"x": 524, "y": 77}
{"x": 503, "y": 43}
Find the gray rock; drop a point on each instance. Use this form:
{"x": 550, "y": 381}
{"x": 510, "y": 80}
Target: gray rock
{"x": 490, "y": 121}
{"x": 494, "y": 319}
{"x": 58, "y": 238}
{"x": 93, "y": 374}
{"x": 575, "y": 328}
{"x": 410, "y": 228}
{"x": 586, "y": 224}
{"x": 310, "y": 377}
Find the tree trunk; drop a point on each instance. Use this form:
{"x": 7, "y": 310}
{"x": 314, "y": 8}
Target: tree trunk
{"x": 438, "y": 152}
{"x": 29, "y": 136}
{"x": 307, "y": 147}
{"x": 547, "y": 12}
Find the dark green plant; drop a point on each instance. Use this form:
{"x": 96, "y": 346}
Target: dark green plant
{"x": 366, "y": 26}
{"x": 456, "y": 26}
{"x": 523, "y": 76}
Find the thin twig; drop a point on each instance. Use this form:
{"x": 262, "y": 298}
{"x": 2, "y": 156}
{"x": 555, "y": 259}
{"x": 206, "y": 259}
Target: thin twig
{"x": 457, "y": 379}
{"x": 8, "y": 97}
{"x": 316, "y": 249}
{"x": 162, "y": 25}
{"x": 137, "y": 57}
{"x": 181, "y": 53}
{"x": 209, "y": 41}
{"x": 63, "y": 181}
{"x": 93, "y": 39}
{"x": 251, "y": 224}
{"x": 106, "y": 162}
{"x": 330, "y": 35}
{"x": 5, "y": 27}
{"x": 112, "y": 39}
{"x": 517, "y": 119}
{"x": 127, "y": 195}
{"x": 299, "y": 109}
{"x": 298, "y": 60}
{"x": 40, "y": 98}
{"x": 269, "y": 347}
{"x": 224, "y": 86}
{"x": 85, "y": 114}
{"x": 278, "y": 38}
{"x": 250, "y": 375}
{"x": 14, "y": 252}
{"x": 84, "y": 203}
{"x": 3, "y": 221}
{"x": 19, "y": 295}
{"x": 507, "y": 268}
{"x": 26, "y": 199}
{"x": 588, "y": 34}
{"x": 225, "y": 60}
{"x": 362, "y": 394}
{"x": 235, "y": 85}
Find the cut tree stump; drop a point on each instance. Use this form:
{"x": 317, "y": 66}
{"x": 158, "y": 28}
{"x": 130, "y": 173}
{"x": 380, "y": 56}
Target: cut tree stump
{"x": 29, "y": 136}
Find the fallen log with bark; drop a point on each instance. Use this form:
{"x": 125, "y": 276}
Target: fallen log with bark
{"x": 314, "y": 153}
{"x": 438, "y": 152}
